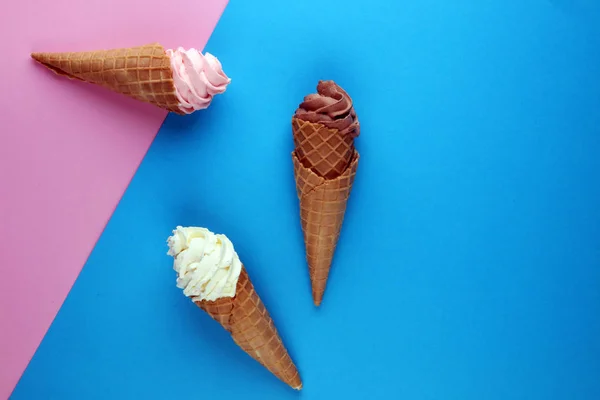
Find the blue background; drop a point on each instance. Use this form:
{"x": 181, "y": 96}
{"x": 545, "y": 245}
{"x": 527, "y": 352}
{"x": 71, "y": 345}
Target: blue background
{"x": 469, "y": 263}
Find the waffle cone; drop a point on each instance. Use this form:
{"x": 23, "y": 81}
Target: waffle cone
{"x": 251, "y": 327}
{"x": 323, "y": 150}
{"x": 322, "y": 207}
{"x": 143, "y": 73}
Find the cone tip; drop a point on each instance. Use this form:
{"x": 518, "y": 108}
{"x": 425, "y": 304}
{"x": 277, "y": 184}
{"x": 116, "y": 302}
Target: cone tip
{"x": 299, "y": 387}
{"x": 40, "y": 57}
{"x": 317, "y": 298}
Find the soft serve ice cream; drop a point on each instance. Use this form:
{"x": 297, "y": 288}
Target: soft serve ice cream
{"x": 207, "y": 266}
{"x": 197, "y": 78}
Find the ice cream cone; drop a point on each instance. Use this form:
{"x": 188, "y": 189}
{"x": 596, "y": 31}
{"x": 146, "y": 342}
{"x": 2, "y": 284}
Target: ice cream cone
{"x": 251, "y": 327}
{"x": 143, "y": 73}
{"x": 325, "y": 161}
{"x": 322, "y": 208}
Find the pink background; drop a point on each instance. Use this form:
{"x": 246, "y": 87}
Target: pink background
{"x": 68, "y": 150}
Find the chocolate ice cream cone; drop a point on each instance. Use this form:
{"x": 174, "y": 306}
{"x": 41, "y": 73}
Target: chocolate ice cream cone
{"x": 325, "y": 163}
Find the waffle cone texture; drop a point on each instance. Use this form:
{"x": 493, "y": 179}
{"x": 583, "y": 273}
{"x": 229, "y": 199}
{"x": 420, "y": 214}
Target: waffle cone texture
{"x": 142, "y": 73}
{"x": 251, "y": 327}
{"x": 324, "y": 168}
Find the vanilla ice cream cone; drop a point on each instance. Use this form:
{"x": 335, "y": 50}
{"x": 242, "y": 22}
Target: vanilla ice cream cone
{"x": 211, "y": 274}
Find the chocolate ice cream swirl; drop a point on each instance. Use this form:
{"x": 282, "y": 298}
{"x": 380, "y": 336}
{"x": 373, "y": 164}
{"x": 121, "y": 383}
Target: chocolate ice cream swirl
{"x": 330, "y": 106}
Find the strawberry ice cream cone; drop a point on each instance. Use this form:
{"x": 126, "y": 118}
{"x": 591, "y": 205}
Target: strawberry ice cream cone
{"x": 181, "y": 81}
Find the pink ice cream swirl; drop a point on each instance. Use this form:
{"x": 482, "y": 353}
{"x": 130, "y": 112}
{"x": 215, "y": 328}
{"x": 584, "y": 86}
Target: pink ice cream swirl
{"x": 197, "y": 78}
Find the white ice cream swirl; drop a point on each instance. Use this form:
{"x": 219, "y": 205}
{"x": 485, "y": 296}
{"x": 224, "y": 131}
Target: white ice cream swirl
{"x": 207, "y": 265}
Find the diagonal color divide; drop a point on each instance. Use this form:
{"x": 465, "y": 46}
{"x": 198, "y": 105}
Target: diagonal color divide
{"x": 468, "y": 261}
{"x": 68, "y": 150}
